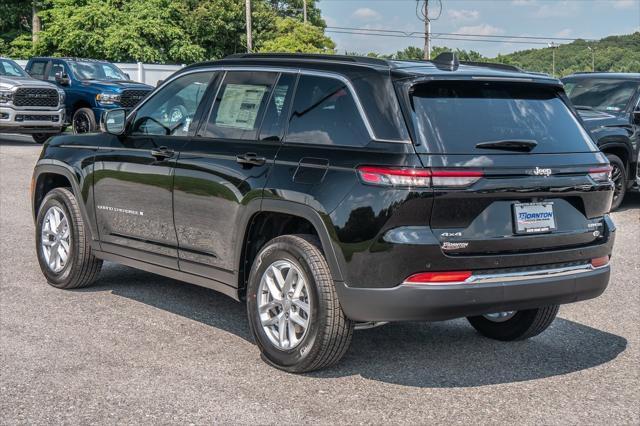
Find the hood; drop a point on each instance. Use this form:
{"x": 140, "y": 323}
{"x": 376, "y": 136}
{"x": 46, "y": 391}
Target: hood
{"x": 11, "y": 82}
{"x": 594, "y": 119}
{"x": 116, "y": 85}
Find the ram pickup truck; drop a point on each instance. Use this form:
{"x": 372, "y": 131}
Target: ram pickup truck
{"x": 28, "y": 105}
{"x": 331, "y": 193}
{"x": 609, "y": 104}
{"x": 92, "y": 87}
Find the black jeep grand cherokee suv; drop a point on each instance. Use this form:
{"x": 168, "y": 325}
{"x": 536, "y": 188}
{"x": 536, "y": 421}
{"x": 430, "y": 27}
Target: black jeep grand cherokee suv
{"x": 335, "y": 192}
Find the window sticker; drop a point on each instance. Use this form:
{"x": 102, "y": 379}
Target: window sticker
{"x": 239, "y": 106}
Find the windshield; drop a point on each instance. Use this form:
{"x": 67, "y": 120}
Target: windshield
{"x": 11, "y": 69}
{"x": 454, "y": 116}
{"x": 97, "y": 71}
{"x": 602, "y": 94}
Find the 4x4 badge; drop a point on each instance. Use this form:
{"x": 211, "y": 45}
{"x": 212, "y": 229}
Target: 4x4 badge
{"x": 541, "y": 172}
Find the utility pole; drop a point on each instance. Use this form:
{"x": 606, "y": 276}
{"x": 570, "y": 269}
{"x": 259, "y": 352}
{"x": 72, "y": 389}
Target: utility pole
{"x": 427, "y": 31}
{"x": 553, "y": 47}
{"x": 304, "y": 10}
{"x": 593, "y": 58}
{"x": 248, "y": 21}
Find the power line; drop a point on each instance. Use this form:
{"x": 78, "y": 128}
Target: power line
{"x": 439, "y": 37}
{"x": 413, "y": 33}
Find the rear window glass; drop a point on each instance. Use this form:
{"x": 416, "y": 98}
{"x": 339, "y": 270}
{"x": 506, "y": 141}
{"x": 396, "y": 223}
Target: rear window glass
{"x": 453, "y": 117}
{"x": 603, "y": 94}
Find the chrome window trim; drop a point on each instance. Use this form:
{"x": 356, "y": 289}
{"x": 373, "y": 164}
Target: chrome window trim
{"x": 289, "y": 70}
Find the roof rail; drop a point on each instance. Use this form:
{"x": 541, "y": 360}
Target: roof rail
{"x": 492, "y": 65}
{"x": 311, "y": 56}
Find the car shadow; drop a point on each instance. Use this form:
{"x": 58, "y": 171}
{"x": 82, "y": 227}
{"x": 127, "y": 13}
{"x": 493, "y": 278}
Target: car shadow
{"x": 631, "y": 201}
{"x": 16, "y": 140}
{"x": 418, "y": 354}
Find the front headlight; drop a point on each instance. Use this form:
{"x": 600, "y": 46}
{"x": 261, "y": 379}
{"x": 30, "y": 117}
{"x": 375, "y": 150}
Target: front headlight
{"x": 61, "y": 96}
{"x": 5, "y": 96}
{"x": 108, "y": 98}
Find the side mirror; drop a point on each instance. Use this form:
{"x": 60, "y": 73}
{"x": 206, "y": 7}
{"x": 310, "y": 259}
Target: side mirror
{"x": 114, "y": 120}
{"x": 62, "y": 78}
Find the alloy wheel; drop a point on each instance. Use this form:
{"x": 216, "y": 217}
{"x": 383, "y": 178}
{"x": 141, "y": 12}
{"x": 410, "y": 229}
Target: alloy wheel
{"x": 284, "y": 304}
{"x": 81, "y": 123}
{"x": 500, "y": 316}
{"x": 618, "y": 181}
{"x": 55, "y": 240}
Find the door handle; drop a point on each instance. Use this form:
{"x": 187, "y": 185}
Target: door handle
{"x": 250, "y": 159}
{"x": 162, "y": 153}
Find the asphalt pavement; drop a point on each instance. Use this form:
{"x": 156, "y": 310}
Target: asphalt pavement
{"x": 139, "y": 348}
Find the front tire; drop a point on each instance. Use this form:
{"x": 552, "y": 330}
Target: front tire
{"x": 41, "y": 138}
{"x": 62, "y": 242}
{"x": 84, "y": 121}
{"x": 294, "y": 311}
{"x": 619, "y": 177}
{"x": 519, "y": 325}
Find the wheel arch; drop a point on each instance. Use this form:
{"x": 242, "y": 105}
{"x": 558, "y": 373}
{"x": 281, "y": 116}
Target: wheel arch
{"x": 619, "y": 148}
{"x": 291, "y": 218}
{"x": 51, "y": 174}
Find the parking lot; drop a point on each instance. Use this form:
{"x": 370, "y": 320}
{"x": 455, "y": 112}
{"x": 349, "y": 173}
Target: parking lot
{"x": 139, "y": 348}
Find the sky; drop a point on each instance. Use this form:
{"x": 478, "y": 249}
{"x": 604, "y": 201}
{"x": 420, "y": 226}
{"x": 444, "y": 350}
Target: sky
{"x": 588, "y": 19}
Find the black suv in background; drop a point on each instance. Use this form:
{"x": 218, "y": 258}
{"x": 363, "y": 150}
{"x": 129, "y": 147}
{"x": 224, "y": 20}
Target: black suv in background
{"x": 332, "y": 193}
{"x": 609, "y": 104}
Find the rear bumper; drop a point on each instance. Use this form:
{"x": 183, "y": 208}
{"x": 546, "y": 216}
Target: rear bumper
{"x": 31, "y": 121}
{"x": 420, "y": 302}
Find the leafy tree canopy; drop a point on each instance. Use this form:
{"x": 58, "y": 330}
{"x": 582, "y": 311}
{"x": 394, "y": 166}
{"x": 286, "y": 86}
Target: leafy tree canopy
{"x": 294, "y": 36}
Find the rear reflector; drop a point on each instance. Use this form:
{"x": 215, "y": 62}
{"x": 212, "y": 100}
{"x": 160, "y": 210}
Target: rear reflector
{"x": 600, "y": 174}
{"x": 599, "y": 261}
{"x": 438, "y": 277}
{"x": 413, "y": 177}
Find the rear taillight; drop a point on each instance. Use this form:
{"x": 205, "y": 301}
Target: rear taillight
{"x": 424, "y": 178}
{"x": 599, "y": 261}
{"x": 438, "y": 277}
{"x": 455, "y": 178}
{"x": 600, "y": 174}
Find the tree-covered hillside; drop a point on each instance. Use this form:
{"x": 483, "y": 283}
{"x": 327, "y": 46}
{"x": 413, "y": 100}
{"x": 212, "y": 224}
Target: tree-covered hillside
{"x": 615, "y": 53}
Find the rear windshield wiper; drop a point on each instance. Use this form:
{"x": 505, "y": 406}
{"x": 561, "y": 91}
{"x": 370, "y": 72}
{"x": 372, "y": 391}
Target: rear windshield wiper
{"x": 520, "y": 145}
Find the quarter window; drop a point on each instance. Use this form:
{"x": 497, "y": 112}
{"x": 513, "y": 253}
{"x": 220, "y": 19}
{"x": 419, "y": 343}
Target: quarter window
{"x": 324, "y": 112}
{"x": 170, "y": 111}
{"x": 240, "y": 104}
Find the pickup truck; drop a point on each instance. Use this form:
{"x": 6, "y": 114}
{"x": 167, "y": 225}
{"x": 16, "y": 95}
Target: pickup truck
{"x": 609, "y": 105}
{"x": 91, "y": 86}
{"x": 28, "y": 105}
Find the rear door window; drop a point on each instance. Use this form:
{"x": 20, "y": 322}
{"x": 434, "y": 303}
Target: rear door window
{"x": 454, "y": 116}
{"x": 240, "y": 104}
{"x": 36, "y": 70}
{"x": 325, "y": 112}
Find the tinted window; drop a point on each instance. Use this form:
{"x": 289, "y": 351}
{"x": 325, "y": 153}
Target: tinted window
{"x": 36, "y": 70}
{"x": 170, "y": 111}
{"x": 324, "y": 112}
{"x": 604, "y": 94}
{"x": 55, "y": 68}
{"x": 240, "y": 104}
{"x": 453, "y": 117}
{"x": 275, "y": 118}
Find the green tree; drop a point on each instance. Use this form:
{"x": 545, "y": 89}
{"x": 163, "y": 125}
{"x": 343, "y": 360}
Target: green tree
{"x": 294, "y": 36}
{"x": 294, "y": 9}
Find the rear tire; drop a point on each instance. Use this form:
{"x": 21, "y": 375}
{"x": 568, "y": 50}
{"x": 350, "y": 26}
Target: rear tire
{"x": 328, "y": 331}
{"x": 523, "y": 325}
{"x": 79, "y": 268}
{"x": 619, "y": 176}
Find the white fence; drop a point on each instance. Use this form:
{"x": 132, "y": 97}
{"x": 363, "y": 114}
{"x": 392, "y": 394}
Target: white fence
{"x": 144, "y": 73}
